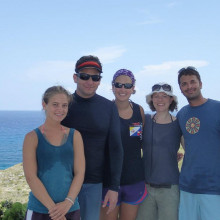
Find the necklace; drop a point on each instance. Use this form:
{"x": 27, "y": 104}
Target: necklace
{"x": 155, "y": 120}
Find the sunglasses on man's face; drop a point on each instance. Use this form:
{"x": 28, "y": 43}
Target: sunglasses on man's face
{"x": 187, "y": 68}
{"x": 126, "y": 85}
{"x": 85, "y": 76}
{"x": 165, "y": 87}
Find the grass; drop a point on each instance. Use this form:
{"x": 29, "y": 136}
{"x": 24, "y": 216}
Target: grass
{"x": 13, "y": 185}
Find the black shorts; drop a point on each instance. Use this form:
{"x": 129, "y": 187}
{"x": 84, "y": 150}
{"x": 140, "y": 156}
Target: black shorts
{"x": 31, "y": 215}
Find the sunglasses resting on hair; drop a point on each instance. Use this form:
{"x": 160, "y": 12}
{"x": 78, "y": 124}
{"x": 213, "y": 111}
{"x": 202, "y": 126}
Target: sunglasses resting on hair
{"x": 187, "y": 68}
{"x": 165, "y": 87}
{"x": 85, "y": 76}
{"x": 126, "y": 85}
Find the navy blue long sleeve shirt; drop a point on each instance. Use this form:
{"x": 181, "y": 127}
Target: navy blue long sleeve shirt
{"x": 97, "y": 120}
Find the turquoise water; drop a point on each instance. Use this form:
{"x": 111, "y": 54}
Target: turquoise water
{"x": 13, "y": 127}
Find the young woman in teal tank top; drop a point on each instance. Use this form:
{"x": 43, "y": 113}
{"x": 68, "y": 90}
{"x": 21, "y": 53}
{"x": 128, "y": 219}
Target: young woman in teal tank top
{"x": 54, "y": 163}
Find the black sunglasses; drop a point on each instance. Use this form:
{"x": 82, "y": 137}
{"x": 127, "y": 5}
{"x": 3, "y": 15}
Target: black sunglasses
{"x": 188, "y": 68}
{"x": 85, "y": 76}
{"x": 165, "y": 87}
{"x": 126, "y": 85}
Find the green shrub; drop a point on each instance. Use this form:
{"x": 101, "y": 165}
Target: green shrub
{"x": 13, "y": 211}
{"x": 4, "y": 205}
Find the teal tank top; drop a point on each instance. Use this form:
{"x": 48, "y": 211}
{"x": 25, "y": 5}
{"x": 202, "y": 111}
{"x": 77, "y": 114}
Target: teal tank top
{"x": 55, "y": 170}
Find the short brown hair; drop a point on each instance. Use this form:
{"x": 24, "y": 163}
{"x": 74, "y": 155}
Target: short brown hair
{"x": 190, "y": 70}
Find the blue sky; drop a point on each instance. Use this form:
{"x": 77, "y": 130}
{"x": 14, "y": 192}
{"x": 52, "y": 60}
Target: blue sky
{"x": 41, "y": 40}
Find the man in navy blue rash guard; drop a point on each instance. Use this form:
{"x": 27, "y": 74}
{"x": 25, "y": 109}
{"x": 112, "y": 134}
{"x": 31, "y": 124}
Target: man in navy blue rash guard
{"x": 98, "y": 122}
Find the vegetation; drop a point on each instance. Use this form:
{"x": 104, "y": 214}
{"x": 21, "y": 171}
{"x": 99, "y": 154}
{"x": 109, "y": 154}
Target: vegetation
{"x": 13, "y": 186}
{"x": 3, "y": 207}
{"x": 12, "y": 211}
{"x": 13, "y": 193}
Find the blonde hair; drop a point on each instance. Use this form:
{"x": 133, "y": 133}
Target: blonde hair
{"x": 51, "y": 91}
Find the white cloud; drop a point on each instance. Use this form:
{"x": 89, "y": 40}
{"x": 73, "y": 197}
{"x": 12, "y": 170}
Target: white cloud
{"x": 164, "y": 72}
{"x": 58, "y": 71}
{"x": 51, "y": 71}
{"x": 108, "y": 54}
{"x": 170, "y": 67}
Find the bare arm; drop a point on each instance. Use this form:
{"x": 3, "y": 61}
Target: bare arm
{"x": 79, "y": 165}
{"x": 30, "y": 170}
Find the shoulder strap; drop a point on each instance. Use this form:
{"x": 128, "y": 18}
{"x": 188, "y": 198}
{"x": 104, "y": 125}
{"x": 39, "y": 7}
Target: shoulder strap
{"x": 137, "y": 109}
{"x": 38, "y": 132}
{"x": 71, "y": 133}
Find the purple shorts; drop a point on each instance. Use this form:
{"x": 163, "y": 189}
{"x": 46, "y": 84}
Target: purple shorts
{"x": 30, "y": 215}
{"x": 132, "y": 194}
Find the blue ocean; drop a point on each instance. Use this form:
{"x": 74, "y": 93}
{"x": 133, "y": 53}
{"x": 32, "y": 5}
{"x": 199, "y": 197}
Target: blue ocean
{"x": 13, "y": 127}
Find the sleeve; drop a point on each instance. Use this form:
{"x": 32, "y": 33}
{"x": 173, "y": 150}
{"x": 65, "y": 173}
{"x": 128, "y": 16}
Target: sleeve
{"x": 177, "y": 115}
{"x": 146, "y": 130}
{"x": 179, "y": 127}
{"x": 115, "y": 150}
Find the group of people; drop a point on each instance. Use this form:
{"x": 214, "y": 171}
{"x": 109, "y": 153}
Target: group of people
{"x": 96, "y": 159}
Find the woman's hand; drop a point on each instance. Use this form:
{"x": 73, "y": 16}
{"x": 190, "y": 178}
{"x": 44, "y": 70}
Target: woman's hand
{"x": 59, "y": 211}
